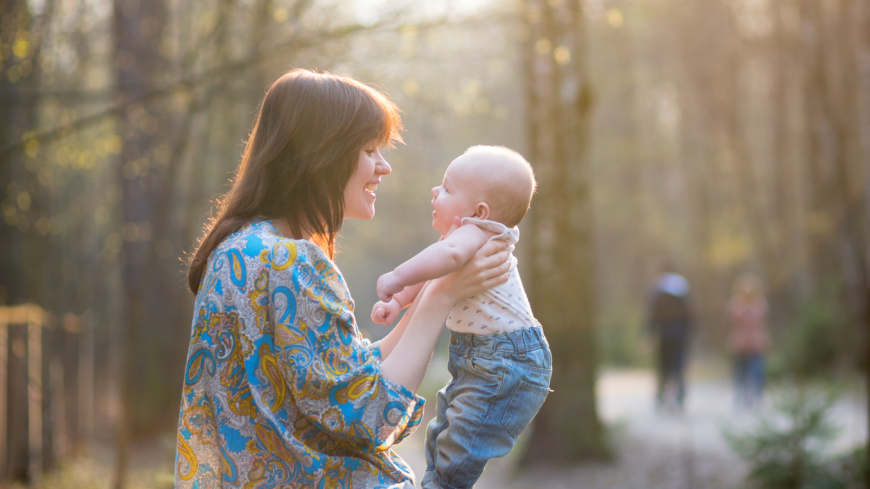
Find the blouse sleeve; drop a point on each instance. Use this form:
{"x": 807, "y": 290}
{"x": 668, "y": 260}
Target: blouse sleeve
{"x": 333, "y": 374}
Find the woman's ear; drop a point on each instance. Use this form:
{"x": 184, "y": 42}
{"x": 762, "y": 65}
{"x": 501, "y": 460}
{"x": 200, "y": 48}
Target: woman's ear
{"x": 481, "y": 210}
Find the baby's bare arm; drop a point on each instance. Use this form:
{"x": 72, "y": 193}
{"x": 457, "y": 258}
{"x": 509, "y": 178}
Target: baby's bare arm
{"x": 408, "y": 294}
{"x": 443, "y": 257}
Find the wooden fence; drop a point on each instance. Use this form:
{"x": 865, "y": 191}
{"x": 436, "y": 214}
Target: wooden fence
{"x": 46, "y": 389}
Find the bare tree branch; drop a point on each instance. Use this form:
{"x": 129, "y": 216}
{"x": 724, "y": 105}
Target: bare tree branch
{"x": 300, "y": 42}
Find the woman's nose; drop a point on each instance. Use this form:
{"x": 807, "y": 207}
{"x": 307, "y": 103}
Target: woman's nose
{"x": 383, "y": 167}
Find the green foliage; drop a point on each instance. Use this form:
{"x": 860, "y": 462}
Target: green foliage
{"x": 788, "y": 449}
{"x": 811, "y": 347}
{"x": 623, "y": 338}
{"x": 850, "y": 469}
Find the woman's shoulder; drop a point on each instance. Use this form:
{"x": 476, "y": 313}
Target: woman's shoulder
{"x": 302, "y": 259}
{"x": 261, "y": 240}
{"x": 258, "y": 255}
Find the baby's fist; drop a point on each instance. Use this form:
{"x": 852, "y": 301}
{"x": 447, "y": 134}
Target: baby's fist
{"x": 386, "y": 312}
{"x": 388, "y": 285}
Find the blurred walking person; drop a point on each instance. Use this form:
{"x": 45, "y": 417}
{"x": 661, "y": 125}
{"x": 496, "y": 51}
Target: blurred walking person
{"x": 670, "y": 322}
{"x": 748, "y": 340}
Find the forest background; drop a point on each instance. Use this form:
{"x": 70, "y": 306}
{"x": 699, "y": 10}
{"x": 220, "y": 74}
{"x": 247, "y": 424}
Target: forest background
{"x": 726, "y": 136}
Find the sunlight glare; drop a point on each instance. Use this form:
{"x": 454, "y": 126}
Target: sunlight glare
{"x": 471, "y": 87}
{"x": 281, "y": 15}
{"x": 614, "y": 17}
{"x": 368, "y": 12}
{"x": 562, "y": 55}
{"x": 411, "y": 87}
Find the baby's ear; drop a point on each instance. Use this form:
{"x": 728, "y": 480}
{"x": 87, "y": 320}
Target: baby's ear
{"x": 481, "y": 210}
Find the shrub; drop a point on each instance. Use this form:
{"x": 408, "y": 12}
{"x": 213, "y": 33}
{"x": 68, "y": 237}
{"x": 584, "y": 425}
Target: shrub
{"x": 811, "y": 346}
{"x": 789, "y": 447}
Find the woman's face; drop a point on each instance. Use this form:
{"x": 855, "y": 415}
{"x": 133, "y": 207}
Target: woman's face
{"x": 359, "y": 194}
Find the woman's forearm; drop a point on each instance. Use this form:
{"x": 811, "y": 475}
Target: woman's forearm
{"x": 410, "y": 355}
{"x": 409, "y": 358}
{"x": 388, "y": 343}
{"x": 408, "y": 294}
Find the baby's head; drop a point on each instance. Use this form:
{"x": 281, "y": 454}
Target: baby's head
{"x": 486, "y": 182}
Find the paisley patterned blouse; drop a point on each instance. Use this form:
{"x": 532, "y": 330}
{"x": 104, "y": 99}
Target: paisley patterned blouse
{"x": 280, "y": 389}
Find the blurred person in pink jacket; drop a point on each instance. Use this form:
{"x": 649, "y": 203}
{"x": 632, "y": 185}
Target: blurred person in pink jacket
{"x": 748, "y": 339}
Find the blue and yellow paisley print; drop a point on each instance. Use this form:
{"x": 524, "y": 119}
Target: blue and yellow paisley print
{"x": 280, "y": 389}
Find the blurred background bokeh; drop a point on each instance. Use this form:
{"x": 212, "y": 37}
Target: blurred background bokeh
{"x": 719, "y": 138}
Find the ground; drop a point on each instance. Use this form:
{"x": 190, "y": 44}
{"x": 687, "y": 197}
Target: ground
{"x": 653, "y": 450}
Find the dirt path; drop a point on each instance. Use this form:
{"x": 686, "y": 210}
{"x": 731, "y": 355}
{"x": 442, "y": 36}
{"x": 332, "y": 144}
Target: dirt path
{"x": 653, "y": 450}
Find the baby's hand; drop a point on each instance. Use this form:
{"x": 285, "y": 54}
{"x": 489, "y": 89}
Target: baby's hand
{"x": 388, "y": 285}
{"x": 386, "y": 312}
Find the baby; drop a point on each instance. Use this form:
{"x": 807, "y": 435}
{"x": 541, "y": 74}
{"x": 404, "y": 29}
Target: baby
{"x": 499, "y": 357}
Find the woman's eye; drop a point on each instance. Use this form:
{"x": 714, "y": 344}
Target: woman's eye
{"x": 370, "y": 152}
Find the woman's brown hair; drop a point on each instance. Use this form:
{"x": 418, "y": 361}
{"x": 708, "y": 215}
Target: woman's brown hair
{"x": 301, "y": 153}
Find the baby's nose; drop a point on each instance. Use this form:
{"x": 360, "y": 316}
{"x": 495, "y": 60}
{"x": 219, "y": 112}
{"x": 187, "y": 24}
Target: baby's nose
{"x": 434, "y": 191}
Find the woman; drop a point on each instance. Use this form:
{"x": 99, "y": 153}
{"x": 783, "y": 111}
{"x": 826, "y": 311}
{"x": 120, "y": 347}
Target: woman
{"x": 280, "y": 389}
{"x": 748, "y": 340}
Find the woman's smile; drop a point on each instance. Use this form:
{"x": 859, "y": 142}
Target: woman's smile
{"x": 359, "y": 195}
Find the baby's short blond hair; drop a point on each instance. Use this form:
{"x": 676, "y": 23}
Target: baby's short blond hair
{"x": 507, "y": 183}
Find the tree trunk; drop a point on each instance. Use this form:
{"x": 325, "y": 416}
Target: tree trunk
{"x": 864, "y": 136}
{"x": 137, "y": 29}
{"x": 781, "y": 291}
{"x": 16, "y": 118}
{"x": 559, "y": 100}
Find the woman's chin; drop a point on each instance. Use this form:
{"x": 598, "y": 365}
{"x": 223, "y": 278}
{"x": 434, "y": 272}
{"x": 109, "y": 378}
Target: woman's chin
{"x": 365, "y": 214}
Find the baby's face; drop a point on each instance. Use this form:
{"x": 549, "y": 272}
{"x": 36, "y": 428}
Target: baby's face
{"x": 458, "y": 194}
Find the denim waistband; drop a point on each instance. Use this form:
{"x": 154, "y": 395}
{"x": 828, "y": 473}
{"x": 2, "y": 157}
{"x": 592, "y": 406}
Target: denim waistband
{"x": 519, "y": 341}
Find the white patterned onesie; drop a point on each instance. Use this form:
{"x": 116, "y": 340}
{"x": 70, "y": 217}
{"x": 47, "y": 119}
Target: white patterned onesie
{"x": 500, "y": 309}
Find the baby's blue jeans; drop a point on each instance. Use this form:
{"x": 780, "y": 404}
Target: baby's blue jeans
{"x": 499, "y": 384}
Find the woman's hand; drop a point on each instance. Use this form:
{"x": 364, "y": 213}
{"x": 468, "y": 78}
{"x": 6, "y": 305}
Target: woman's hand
{"x": 408, "y": 348}
{"x": 490, "y": 266}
